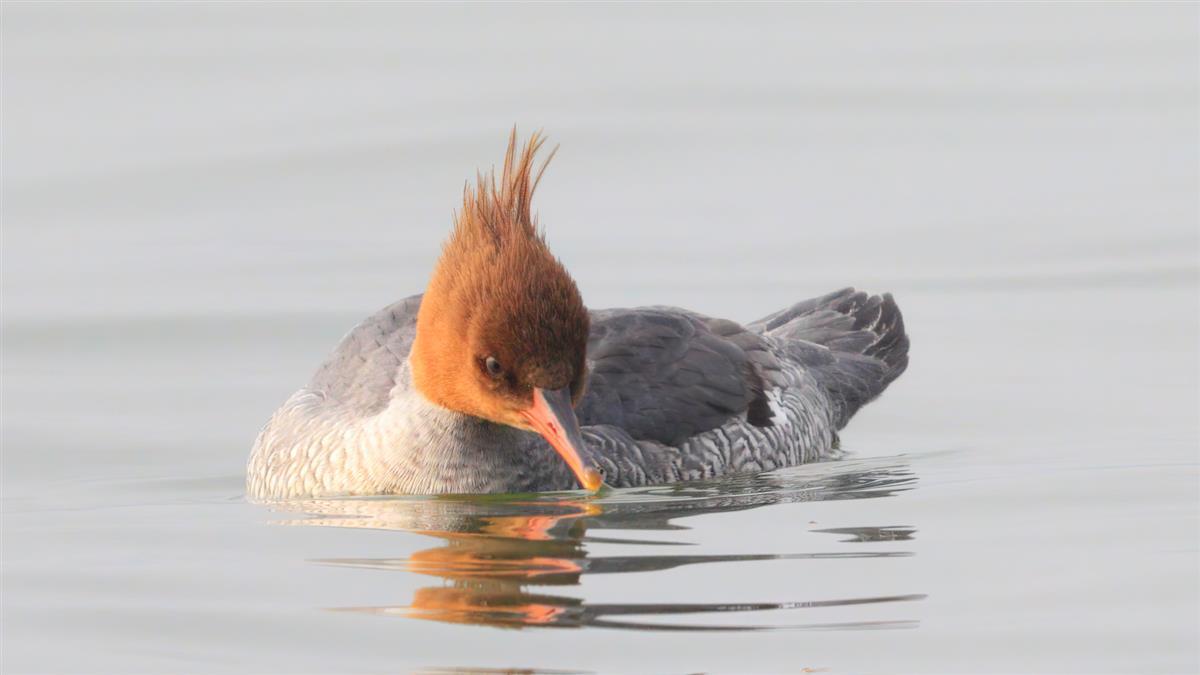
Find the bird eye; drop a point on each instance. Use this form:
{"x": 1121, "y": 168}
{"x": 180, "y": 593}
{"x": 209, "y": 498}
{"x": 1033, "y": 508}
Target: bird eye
{"x": 493, "y": 366}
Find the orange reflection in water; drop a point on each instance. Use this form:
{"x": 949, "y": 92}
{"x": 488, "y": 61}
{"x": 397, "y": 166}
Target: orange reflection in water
{"x": 492, "y": 550}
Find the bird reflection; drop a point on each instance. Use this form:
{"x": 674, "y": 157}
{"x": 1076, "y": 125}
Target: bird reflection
{"x": 493, "y": 551}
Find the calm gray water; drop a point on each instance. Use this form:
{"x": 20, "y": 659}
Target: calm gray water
{"x": 198, "y": 201}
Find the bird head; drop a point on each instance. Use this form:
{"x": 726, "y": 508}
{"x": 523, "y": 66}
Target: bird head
{"x": 502, "y": 330}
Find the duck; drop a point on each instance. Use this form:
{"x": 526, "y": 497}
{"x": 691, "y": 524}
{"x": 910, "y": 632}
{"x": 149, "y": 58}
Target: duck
{"x": 499, "y": 379}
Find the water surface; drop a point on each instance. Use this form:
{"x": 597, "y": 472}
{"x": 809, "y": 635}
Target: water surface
{"x": 200, "y": 200}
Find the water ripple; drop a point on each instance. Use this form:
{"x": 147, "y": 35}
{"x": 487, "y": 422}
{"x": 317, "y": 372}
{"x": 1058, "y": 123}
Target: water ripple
{"x": 494, "y": 549}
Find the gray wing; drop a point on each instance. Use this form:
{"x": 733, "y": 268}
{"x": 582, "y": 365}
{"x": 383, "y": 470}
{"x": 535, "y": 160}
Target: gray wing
{"x": 362, "y": 370}
{"x": 852, "y": 342}
{"x": 665, "y": 374}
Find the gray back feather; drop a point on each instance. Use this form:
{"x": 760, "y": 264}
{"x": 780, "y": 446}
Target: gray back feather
{"x": 361, "y": 371}
{"x": 665, "y": 374}
{"x": 853, "y": 343}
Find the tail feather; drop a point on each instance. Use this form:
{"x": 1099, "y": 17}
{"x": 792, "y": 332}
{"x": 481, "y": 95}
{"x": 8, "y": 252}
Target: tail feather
{"x": 866, "y": 347}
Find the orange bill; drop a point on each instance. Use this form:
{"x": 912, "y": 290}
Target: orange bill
{"x": 553, "y": 416}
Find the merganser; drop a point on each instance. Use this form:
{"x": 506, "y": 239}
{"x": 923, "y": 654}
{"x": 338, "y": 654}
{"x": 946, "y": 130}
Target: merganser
{"x": 498, "y": 379}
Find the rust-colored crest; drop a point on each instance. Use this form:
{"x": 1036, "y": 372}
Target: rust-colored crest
{"x": 502, "y": 211}
{"x": 498, "y": 292}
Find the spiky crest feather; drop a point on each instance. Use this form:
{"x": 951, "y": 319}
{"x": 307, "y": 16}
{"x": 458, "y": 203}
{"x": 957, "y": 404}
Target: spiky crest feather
{"x": 498, "y": 291}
